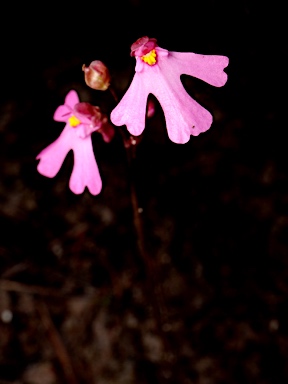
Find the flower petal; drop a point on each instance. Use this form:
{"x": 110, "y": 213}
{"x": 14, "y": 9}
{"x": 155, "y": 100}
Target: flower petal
{"x": 63, "y": 112}
{"x": 208, "y": 68}
{"x": 71, "y": 99}
{"x": 85, "y": 171}
{"x": 52, "y": 157}
{"x": 131, "y": 109}
{"x": 183, "y": 115}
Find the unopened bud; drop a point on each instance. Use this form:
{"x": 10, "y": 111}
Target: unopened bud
{"x": 150, "y": 108}
{"x": 97, "y": 75}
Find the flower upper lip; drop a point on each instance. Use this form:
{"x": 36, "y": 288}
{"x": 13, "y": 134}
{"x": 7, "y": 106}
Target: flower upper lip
{"x": 88, "y": 114}
{"x": 143, "y": 46}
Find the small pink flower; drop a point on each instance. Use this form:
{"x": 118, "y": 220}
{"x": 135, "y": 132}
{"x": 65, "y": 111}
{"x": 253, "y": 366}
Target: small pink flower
{"x": 158, "y": 72}
{"x": 82, "y": 119}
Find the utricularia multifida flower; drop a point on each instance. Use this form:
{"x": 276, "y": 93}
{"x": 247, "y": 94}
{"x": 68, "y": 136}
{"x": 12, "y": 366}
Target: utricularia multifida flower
{"x": 157, "y": 72}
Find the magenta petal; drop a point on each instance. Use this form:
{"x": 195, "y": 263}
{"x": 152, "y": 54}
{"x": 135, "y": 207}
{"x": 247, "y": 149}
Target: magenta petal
{"x": 208, "y": 68}
{"x": 131, "y": 109}
{"x": 85, "y": 171}
{"x": 52, "y": 157}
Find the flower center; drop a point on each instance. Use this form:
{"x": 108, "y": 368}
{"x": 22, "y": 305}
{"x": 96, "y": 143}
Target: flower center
{"x": 150, "y": 58}
{"x": 73, "y": 121}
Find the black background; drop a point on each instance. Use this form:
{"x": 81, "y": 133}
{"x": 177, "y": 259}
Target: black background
{"x": 214, "y": 209}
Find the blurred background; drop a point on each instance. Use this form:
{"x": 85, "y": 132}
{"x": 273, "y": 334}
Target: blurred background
{"x": 77, "y": 302}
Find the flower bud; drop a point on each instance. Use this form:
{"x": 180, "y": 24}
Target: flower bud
{"x": 150, "y": 108}
{"x": 97, "y": 75}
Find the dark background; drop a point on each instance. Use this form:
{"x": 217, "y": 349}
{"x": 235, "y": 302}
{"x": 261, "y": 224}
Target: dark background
{"x": 75, "y": 297}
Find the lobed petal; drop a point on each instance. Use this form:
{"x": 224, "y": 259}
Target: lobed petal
{"x": 131, "y": 109}
{"x": 85, "y": 171}
{"x": 52, "y": 157}
{"x": 63, "y": 112}
{"x": 209, "y": 68}
{"x": 71, "y": 99}
{"x": 183, "y": 115}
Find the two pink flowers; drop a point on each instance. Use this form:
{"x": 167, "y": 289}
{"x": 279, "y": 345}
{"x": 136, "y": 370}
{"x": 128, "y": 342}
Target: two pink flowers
{"x": 157, "y": 72}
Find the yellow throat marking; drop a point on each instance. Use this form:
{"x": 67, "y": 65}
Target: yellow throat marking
{"x": 150, "y": 58}
{"x": 73, "y": 121}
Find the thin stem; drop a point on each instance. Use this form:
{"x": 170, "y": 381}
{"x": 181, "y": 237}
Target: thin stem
{"x": 153, "y": 285}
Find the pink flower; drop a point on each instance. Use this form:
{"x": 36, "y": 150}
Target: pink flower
{"x": 158, "y": 72}
{"x": 81, "y": 119}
